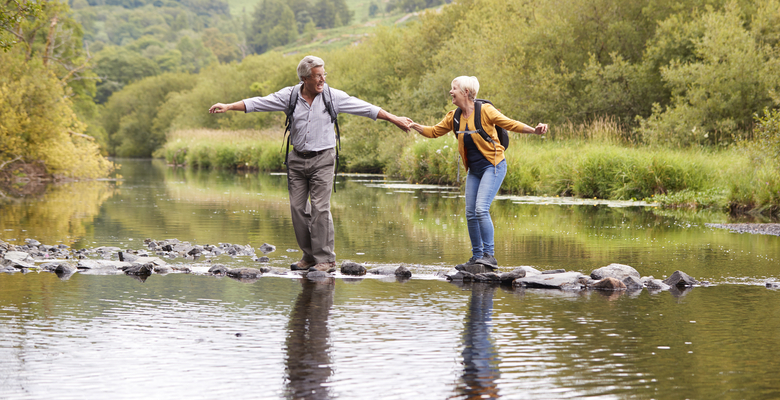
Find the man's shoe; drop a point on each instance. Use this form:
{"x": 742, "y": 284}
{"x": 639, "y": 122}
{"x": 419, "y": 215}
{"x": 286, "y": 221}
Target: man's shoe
{"x": 301, "y": 265}
{"x": 488, "y": 261}
{"x": 471, "y": 262}
{"x": 324, "y": 267}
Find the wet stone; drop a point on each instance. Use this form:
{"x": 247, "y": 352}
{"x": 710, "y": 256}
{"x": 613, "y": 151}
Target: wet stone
{"x": 632, "y": 283}
{"x": 554, "y": 271}
{"x": 219, "y": 269}
{"x": 352, "y": 268}
{"x": 565, "y": 280}
{"x": 140, "y": 269}
{"x": 402, "y": 272}
{"x": 487, "y": 277}
{"x": 609, "y": 284}
{"x": 617, "y": 271}
{"x": 243, "y": 273}
{"x": 267, "y": 248}
{"x": 680, "y": 279}
{"x": 509, "y": 277}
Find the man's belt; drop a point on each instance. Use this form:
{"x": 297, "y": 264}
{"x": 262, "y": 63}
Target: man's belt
{"x": 308, "y": 154}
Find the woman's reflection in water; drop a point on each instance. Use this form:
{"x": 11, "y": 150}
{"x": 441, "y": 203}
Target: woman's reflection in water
{"x": 308, "y": 347}
{"x": 480, "y": 370}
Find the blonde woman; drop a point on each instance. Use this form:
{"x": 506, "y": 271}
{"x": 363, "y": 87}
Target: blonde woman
{"x": 484, "y": 161}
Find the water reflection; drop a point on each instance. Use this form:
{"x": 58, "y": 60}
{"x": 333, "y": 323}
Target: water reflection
{"x": 308, "y": 361}
{"x": 480, "y": 358}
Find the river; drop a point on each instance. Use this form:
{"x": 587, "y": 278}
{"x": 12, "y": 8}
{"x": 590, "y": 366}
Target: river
{"x": 200, "y": 337}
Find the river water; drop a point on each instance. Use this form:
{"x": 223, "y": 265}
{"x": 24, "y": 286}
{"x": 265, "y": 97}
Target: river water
{"x": 200, "y": 337}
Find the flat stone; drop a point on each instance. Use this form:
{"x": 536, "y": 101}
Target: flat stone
{"x": 17, "y": 256}
{"x": 487, "y": 277}
{"x": 244, "y": 273}
{"x": 565, "y": 280}
{"x": 553, "y": 271}
{"x": 509, "y": 277}
{"x": 476, "y": 269}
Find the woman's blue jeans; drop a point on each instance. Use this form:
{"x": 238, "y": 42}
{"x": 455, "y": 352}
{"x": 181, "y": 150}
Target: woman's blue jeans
{"x": 481, "y": 189}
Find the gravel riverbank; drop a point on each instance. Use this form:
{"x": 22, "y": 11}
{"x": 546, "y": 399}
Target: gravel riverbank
{"x": 761, "y": 229}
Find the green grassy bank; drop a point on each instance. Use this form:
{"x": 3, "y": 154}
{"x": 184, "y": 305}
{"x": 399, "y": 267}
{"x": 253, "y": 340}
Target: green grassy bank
{"x": 724, "y": 179}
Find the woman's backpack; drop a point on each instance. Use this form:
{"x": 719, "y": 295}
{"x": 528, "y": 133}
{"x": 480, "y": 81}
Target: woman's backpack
{"x": 503, "y": 135}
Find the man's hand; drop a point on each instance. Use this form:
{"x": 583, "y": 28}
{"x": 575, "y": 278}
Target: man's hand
{"x": 540, "y": 129}
{"x": 219, "y": 108}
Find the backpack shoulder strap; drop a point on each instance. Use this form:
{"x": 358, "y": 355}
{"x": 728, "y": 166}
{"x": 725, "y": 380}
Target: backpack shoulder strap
{"x": 296, "y": 90}
{"x": 456, "y": 121}
{"x": 478, "y": 120}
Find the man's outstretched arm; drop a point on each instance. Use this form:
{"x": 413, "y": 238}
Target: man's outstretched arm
{"x": 401, "y": 122}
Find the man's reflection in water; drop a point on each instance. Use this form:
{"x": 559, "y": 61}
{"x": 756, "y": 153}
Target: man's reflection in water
{"x": 480, "y": 370}
{"x": 308, "y": 347}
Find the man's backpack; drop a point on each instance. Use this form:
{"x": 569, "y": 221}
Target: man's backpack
{"x": 503, "y": 135}
{"x": 327, "y": 97}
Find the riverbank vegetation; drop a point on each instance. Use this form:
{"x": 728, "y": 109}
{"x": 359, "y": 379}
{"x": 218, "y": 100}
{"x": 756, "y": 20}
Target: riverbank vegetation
{"x": 671, "y": 100}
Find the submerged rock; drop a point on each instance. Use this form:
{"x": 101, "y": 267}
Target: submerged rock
{"x": 267, "y": 248}
{"x": 400, "y": 271}
{"x": 617, "y": 271}
{"x": 653, "y": 284}
{"x": 219, "y": 269}
{"x": 609, "y": 284}
{"x": 244, "y": 273}
{"x": 140, "y": 269}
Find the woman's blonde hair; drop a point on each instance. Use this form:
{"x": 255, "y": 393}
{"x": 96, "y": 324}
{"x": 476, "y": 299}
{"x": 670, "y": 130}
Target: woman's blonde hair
{"x": 468, "y": 83}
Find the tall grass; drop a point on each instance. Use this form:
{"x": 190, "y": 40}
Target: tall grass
{"x": 208, "y": 148}
{"x": 598, "y": 160}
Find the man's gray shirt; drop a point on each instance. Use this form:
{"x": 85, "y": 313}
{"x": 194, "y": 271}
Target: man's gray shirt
{"x": 312, "y": 129}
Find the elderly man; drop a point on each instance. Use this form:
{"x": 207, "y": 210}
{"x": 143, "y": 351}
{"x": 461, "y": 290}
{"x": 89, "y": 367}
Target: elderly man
{"x": 311, "y": 165}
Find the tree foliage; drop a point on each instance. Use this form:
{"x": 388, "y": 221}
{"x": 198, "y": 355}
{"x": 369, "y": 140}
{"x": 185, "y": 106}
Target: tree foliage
{"x": 130, "y": 117}
{"x": 44, "y": 84}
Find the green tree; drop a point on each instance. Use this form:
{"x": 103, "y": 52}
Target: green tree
{"x": 274, "y": 25}
{"x": 130, "y": 114}
{"x": 718, "y": 89}
{"x": 117, "y": 67}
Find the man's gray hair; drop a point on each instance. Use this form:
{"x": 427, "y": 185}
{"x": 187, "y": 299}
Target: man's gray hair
{"x": 468, "y": 83}
{"x": 307, "y": 64}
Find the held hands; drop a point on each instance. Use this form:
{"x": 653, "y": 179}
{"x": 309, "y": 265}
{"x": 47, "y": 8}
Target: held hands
{"x": 403, "y": 123}
{"x": 417, "y": 127}
{"x": 540, "y": 129}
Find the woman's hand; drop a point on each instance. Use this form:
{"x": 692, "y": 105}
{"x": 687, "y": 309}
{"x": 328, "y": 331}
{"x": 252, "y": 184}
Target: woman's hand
{"x": 540, "y": 129}
{"x": 416, "y": 126}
